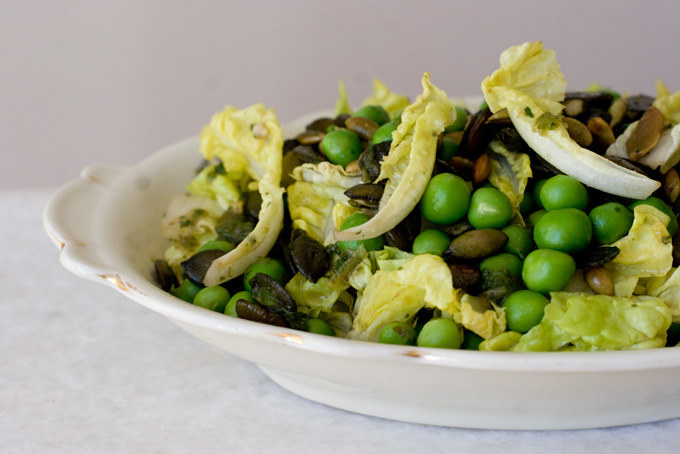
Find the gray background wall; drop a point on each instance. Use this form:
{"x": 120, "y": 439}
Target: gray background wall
{"x": 112, "y": 81}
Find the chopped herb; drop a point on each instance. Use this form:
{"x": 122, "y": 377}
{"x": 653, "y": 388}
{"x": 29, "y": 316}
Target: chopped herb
{"x": 528, "y": 112}
{"x": 548, "y": 121}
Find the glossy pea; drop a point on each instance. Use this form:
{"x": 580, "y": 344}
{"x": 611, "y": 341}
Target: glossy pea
{"x": 526, "y": 206}
{"x": 489, "y": 209}
{"x": 563, "y": 191}
{"x": 471, "y": 340}
{"x": 520, "y": 241}
{"x": 536, "y": 216}
{"x": 373, "y": 112}
{"x": 341, "y": 146}
{"x": 547, "y": 270}
{"x": 440, "y": 333}
{"x": 536, "y": 192}
{"x": 370, "y": 244}
{"x": 397, "y": 333}
{"x": 384, "y": 133}
{"x": 446, "y": 199}
{"x": 611, "y": 221}
{"x": 267, "y": 265}
{"x": 230, "y": 308}
{"x": 568, "y": 230}
{"x": 187, "y": 290}
{"x": 431, "y": 241}
{"x": 219, "y": 245}
{"x": 664, "y": 208}
{"x": 318, "y": 326}
{"x": 214, "y": 298}
{"x": 524, "y": 309}
{"x": 503, "y": 262}
{"x": 460, "y": 121}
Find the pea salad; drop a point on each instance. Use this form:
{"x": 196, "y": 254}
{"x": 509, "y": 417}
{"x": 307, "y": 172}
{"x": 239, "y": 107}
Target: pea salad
{"x": 540, "y": 220}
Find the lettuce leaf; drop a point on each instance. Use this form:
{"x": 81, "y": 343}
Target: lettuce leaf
{"x": 668, "y": 104}
{"x": 249, "y": 141}
{"x": 408, "y": 166}
{"x": 480, "y": 316}
{"x": 668, "y": 288}
{"x": 383, "y": 97}
{"x": 342, "y": 104}
{"x": 530, "y": 84}
{"x": 387, "y": 259}
{"x": 214, "y": 182}
{"x": 510, "y": 173}
{"x": 646, "y": 251}
{"x": 317, "y": 202}
{"x": 389, "y": 296}
{"x": 579, "y": 321}
{"x": 189, "y": 222}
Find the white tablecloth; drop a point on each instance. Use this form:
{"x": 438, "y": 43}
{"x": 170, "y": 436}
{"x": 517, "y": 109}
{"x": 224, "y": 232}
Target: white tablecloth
{"x": 84, "y": 370}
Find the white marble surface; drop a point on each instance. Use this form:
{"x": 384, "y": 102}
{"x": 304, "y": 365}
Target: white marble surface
{"x": 83, "y": 369}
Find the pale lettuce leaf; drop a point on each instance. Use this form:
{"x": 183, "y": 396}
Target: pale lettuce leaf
{"x": 408, "y": 166}
{"x": 388, "y": 100}
{"x": 510, "y": 173}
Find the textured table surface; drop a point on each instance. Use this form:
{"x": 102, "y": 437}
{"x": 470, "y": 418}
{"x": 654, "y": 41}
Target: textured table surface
{"x": 84, "y": 369}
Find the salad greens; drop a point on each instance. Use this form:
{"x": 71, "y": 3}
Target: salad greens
{"x": 238, "y": 195}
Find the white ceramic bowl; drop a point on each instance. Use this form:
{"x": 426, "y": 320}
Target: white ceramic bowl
{"x": 106, "y": 225}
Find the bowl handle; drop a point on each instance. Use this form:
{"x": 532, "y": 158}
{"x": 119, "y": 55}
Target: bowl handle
{"x": 68, "y": 216}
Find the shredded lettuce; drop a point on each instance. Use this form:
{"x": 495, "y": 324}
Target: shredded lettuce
{"x": 510, "y": 173}
{"x": 388, "y": 100}
{"x": 579, "y": 321}
{"x": 530, "y": 85}
{"x": 645, "y": 251}
{"x": 668, "y": 104}
{"x": 408, "y": 166}
{"x": 317, "y": 202}
{"x": 249, "y": 141}
{"x": 342, "y": 104}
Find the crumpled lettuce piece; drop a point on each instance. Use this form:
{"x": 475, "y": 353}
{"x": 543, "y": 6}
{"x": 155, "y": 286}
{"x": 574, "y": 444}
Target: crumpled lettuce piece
{"x": 664, "y": 156}
{"x": 510, "y": 173}
{"x": 327, "y": 298}
{"x": 579, "y": 321}
{"x": 501, "y": 343}
{"x": 390, "y": 296}
{"x": 646, "y": 250}
{"x": 214, "y": 182}
{"x": 317, "y": 202}
{"x": 530, "y": 84}
{"x": 388, "y": 100}
{"x": 250, "y": 141}
{"x": 668, "y": 288}
{"x": 530, "y": 70}
{"x": 342, "y": 104}
{"x": 189, "y": 222}
{"x": 480, "y": 316}
{"x": 408, "y": 166}
{"x": 387, "y": 259}
{"x": 668, "y": 104}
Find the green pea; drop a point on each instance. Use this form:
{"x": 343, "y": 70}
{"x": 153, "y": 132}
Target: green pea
{"x": 489, "y": 209}
{"x": 370, "y": 244}
{"x": 526, "y": 206}
{"x": 186, "y": 291}
{"x": 384, "y": 133}
{"x": 524, "y": 309}
{"x": 219, "y": 245}
{"x": 214, "y": 298}
{"x": 431, "y": 241}
{"x": 230, "y": 308}
{"x": 673, "y": 335}
{"x": 341, "y": 146}
{"x": 536, "y": 193}
{"x": 664, "y": 208}
{"x": 547, "y": 270}
{"x": 440, "y": 333}
{"x": 563, "y": 191}
{"x": 446, "y": 199}
{"x": 450, "y": 145}
{"x": 536, "y": 216}
{"x": 397, "y": 333}
{"x": 568, "y": 230}
{"x": 460, "y": 121}
{"x": 267, "y": 265}
{"x": 503, "y": 262}
{"x": 375, "y": 113}
{"x": 471, "y": 340}
{"x": 520, "y": 241}
{"x": 611, "y": 221}
{"x": 318, "y": 326}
